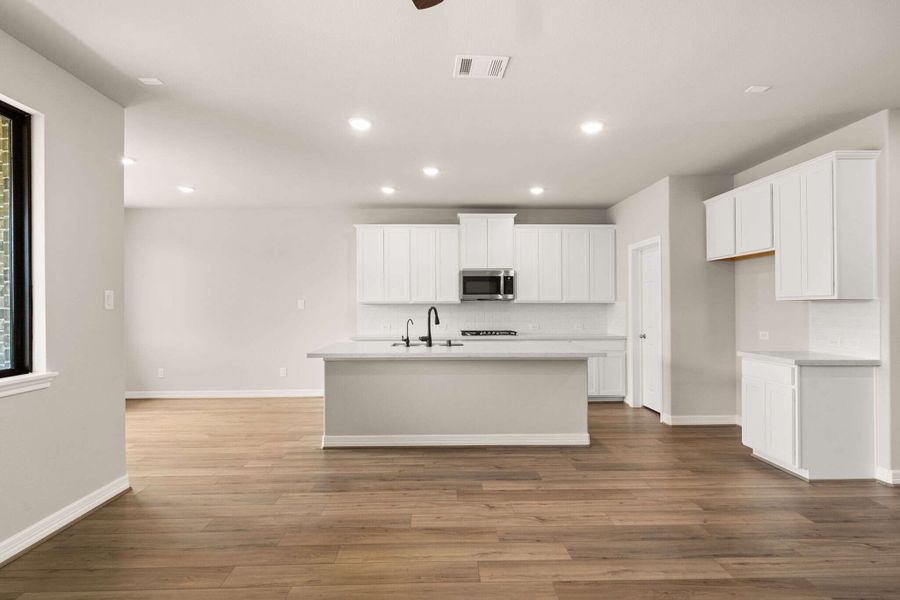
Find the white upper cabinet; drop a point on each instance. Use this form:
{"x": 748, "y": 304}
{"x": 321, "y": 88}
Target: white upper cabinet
{"x": 486, "y": 241}
{"x": 407, "y": 263}
{"x": 753, "y": 219}
{"x": 576, "y": 261}
{"x": 739, "y": 222}
{"x": 447, "y": 264}
{"x": 565, "y": 263}
{"x": 424, "y": 258}
{"x": 396, "y": 264}
{"x": 720, "y": 227}
{"x": 603, "y": 263}
{"x": 825, "y": 213}
{"x": 370, "y": 264}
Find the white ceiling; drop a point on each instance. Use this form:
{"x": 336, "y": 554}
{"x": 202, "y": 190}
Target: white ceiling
{"x": 258, "y": 92}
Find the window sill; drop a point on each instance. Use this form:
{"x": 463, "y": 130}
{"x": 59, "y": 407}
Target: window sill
{"x": 30, "y": 382}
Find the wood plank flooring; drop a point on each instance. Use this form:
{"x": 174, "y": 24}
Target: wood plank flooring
{"x": 234, "y": 500}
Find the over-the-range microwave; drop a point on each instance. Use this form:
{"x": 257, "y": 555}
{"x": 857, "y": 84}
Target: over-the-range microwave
{"x": 487, "y": 284}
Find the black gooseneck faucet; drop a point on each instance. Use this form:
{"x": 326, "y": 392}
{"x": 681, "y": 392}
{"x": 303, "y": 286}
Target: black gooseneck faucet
{"x": 437, "y": 321}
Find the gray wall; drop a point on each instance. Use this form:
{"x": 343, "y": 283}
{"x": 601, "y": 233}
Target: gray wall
{"x": 698, "y": 297}
{"x": 59, "y": 444}
{"x": 211, "y": 294}
{"x": 702, "y": 313}
{"x": 639, "y": 217}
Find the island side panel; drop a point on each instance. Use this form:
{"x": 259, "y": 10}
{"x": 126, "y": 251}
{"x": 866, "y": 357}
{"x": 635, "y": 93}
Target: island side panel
{"x": 455, "y": 402}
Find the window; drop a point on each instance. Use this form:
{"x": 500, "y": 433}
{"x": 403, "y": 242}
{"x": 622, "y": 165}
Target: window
{"x": 15, "y": 243}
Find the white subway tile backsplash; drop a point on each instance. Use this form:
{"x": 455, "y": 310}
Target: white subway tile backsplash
{"x": 390, "y": 319}
{"x": 850, "y": 327}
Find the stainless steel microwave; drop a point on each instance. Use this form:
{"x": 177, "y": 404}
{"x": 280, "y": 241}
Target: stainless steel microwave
{"x": 487, "y": 284}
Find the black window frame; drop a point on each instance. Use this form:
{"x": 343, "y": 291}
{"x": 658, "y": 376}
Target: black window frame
{"x": 20, "y": 241}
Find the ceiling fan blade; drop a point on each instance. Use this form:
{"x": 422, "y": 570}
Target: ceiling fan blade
{"x": 420, "y": 4}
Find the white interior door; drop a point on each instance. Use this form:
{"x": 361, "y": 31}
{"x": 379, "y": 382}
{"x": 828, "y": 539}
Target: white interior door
{"x": 649, "y": 313}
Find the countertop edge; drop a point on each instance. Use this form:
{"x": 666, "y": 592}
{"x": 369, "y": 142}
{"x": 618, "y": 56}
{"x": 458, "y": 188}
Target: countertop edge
{"x": 837, "y": 361}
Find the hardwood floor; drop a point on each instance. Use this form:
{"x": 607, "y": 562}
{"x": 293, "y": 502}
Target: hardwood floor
{"x": 234, "y": 500}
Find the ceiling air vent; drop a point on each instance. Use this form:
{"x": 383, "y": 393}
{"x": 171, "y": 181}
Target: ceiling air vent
{"x": 480, "y": 67}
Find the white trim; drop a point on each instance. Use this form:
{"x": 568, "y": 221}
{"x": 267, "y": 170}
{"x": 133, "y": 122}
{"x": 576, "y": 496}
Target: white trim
{"x": 310, "y": 393}
{"x": 28, "y": 537}
{"x": 888, "y": 476}
{"x": 700, "y": 419}
{"x": 30, "y": 382}
{"x": 495, "y": 439}
{"x": 599, "y": 399}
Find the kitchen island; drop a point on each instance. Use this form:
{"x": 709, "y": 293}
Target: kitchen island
{"x": 478, "y": 394}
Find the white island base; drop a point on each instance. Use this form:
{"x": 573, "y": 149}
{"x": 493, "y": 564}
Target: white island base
{"x": 455, "y": 403}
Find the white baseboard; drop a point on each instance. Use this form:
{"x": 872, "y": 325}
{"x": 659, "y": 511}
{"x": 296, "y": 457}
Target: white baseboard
{"x": 888, "y": 476}
{"x": 499, "y": 439}
{"x": 311, "y": 393}
{"x": 700, "y": 419}
{"x": 28, "y": 537}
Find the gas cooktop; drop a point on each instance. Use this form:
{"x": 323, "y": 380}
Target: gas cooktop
{"x": 488, "y": 332}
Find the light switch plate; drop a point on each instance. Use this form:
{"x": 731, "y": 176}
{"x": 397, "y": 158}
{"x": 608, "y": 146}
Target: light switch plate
{"x": 109, "y": 299}
{"x": 282, "y": 371}
{"x": 160, "y": 372}
{"x": 763, "y": 335}
{"x": 301, "y": 304}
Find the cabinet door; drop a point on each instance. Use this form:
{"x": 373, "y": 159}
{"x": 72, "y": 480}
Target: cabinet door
{"x": 550, "y": 265}
{"x": 788, "y": 236}
{"x": 423, "y": 278}
{"x": 448, "y": 264}
{"x": 818, "y": 214}
{"x": 473, "y": 234}
{"x": 576, "y": 264}
{"x": 611, "y": 375}
{"x": 500, "y": 243}
{"x": 753, "y": 410}
{"x": 603, "y": 264}
{"x": 527, "y": 266}
{"x": 780, "y": 423}
{"x": 396, "y": 264}
{"x": 370, "y": 264}
{"x": 753, "y": 213}
{"x": 593, "y": 368}
{"x": 720, "y": 228}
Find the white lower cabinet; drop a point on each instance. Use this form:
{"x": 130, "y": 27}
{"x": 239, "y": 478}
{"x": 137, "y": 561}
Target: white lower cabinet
{"x": 814, "y": 421}
{"x": 606, "y": 375}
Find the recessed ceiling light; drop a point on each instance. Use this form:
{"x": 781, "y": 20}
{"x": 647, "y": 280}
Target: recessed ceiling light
{"x": 536, "y": 190}
{"x": 757, "y": 89}
{"x": 127, "y": 161}
{"x": 186, "y": 189}
{"x": 150, "y": 81}
{"x": 360, "y": 123}
{"x": 431, "y": 171}
{"x": 592, "y": 127}
{"x": 387, "y": 190}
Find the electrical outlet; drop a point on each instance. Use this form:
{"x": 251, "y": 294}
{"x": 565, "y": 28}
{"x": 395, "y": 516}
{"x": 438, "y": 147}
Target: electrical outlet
{"x": 763, "y": 335}
{"x": 834, "y": 340}
{"x": 301, "y": 304}
{"x": 282, "y": 371}
{"x": 160, "y": 372}
{"x": 109, "y": 299}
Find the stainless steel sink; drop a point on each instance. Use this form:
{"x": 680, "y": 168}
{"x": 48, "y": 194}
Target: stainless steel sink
{"x": 411, "y": 344}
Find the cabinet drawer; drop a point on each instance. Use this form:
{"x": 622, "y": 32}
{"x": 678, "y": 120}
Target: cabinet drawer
{"x": 783, "y": 374}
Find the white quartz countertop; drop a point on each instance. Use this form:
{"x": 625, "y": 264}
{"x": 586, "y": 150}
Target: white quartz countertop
{"x": 561, "y": 337}
{"x": 810, "y": 359}
{"x": 483, "y": 350}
